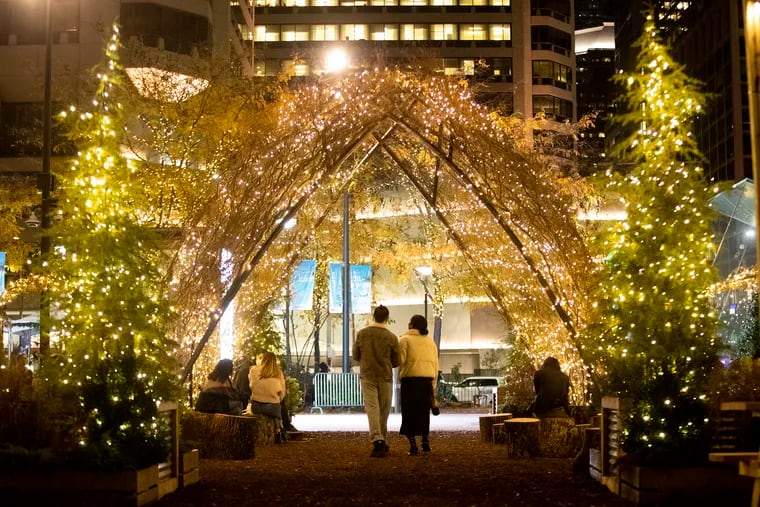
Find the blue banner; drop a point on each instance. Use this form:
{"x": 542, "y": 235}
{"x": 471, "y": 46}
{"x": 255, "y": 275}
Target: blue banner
{"x": 2, "y": 272}
{"x": 361, "y": 288}
{"x": 302, "y": 286}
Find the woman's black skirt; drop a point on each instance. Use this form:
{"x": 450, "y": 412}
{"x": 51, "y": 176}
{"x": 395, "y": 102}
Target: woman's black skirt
{"x": 416, "y": 400}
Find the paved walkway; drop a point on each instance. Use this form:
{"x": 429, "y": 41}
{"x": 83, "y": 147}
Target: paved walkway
{"x": 358, "y": 422}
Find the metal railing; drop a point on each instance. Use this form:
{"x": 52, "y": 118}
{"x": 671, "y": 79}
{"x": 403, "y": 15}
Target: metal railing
{"x": 337, "y": 390}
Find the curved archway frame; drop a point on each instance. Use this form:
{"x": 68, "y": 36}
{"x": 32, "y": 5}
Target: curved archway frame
{"x": 339, "y": 125}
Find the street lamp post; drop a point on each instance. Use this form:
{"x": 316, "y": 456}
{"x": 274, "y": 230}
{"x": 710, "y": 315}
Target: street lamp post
{"x": 346, "y": 283}
{"x": 44, "y": 183}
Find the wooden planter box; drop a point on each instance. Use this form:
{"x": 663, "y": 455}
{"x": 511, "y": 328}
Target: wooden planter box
{"x": 702, "y": 485}
{"x": 659, "y": 486}
{"x": 189, "y": 468}
{"x": 120, "y": 488}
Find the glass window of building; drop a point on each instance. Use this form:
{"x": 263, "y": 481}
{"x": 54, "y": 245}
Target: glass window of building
{"x": 500, "y": 32}
{"x": 295, "y": 32}
{"x": 266, "y": 33}
{"x": 444, "y": 31}
{"x": 413, "y": 2}
{"x": 295, "y": 67}
{"x": 468, "y": 67}
{"x": 552, "y": 106}
{"x": 472, "y": 32}
{"x": 380, "y": 3}
{"x": 354, "y": 32}
{"x": 351, "y": 3}
{"x": 324, "y": 3}
{"x": 451, "y": 66}
{"x": 414, "y": 32}
{"x": 549, "y": 72}
{"x": 505, "y": 3}
{"x": 443, "y": 2}
{"x": 383, "y": 32}
{"x": 324, "y": 32}
{"x": 295, "y": 3}
{"x": 473, "y": 2}
{"x": 266, "y": 3}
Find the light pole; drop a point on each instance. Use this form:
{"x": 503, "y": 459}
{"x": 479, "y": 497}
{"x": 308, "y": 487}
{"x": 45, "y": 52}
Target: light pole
{"x": 752, "y": 46}
{"x": 44, "y": 182}
{"x": 346, "y": 283}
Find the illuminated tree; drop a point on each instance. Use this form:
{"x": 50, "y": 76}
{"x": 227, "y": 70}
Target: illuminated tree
{"x": 657, "y": 336}
{"x": 109, "y": 310}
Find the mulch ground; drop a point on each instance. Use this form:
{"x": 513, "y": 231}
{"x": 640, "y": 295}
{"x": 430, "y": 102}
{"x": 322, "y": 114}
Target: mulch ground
{"x": 336, "y": 469}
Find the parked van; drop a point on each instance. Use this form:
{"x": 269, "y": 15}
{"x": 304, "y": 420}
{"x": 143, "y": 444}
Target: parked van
{"x": 476, "y": 389}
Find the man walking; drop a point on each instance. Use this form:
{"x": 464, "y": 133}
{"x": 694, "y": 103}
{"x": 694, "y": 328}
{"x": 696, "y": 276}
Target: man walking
{"x": 376, "y": 349}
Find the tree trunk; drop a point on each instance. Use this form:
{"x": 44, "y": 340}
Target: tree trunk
{"x": 221, "y": 436}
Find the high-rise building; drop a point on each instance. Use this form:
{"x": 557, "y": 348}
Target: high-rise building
{"x": 595, "y": 60}
{"x": 522, "y": 51}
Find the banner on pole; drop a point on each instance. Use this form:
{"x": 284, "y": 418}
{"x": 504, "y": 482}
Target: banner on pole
{"x": 2, "y": 272}
{"x": 361, "y": 288}
{"x": 302, "y": 286}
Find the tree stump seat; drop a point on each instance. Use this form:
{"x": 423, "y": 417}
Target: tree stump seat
{"x": 521, "y": 436}
{"x": 550, "y": 437}
{"x": 499, "y": 436}
{"x": 487, "y": 423}
{"x": 221, "y": 436}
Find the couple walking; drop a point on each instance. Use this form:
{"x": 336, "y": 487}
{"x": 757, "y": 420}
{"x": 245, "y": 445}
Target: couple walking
{"x": 378, "y": 351}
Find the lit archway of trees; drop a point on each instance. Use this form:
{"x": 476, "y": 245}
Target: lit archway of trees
{"x": 509, "y": 213}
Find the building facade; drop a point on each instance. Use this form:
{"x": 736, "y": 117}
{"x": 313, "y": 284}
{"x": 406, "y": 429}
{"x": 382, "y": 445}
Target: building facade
{"x": 522, "y": 51}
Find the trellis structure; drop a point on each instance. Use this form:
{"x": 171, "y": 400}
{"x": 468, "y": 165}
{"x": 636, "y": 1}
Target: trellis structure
{"x": 500, "y": 204}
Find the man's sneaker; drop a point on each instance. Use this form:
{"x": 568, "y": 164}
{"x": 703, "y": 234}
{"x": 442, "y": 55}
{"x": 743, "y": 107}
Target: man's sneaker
{"x": 379, "y": 449}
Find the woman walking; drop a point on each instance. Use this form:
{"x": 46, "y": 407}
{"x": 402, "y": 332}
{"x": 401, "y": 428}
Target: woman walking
{"x": 418, "y": 369}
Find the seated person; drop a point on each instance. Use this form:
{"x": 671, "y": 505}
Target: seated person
{"x": 217, "y": 394}
{"x": 268, "y": 390}
{"x": 552, "y": 391}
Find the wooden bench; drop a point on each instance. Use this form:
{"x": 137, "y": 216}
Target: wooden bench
{"x": 749, "y": 466}
{"x": 487, "y": 423}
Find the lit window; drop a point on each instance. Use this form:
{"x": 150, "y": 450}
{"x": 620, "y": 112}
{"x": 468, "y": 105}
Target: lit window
{"x": 473, "y": 2}
{"x": 443, "y": 32}
{"x": 468, "y": 67}
{"x": 505, "y": 3}
{"x": 353, "y": 32}
{"x": 296, "y": 3}
{"x": 384, "y": 32}
{"x": 324, "y": 3}
{"x": 380, "y": 3}
{"x": 413, "y": 2}
{"x": 443, "y": 2}
{"x": 451, "y": 66}
{"x": 472, "y": 32}
{"x": 414, "y": 32}
{"x": 267, "y": 33}
{"x": 500, "y": 32}
{"x": 324, "y": 32}
{"x": 295, "y": 32}
{"x": 266, "y": 3}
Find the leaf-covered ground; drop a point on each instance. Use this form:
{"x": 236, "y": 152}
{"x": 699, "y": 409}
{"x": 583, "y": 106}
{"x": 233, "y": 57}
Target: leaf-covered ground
{"x": 336, "y": 469}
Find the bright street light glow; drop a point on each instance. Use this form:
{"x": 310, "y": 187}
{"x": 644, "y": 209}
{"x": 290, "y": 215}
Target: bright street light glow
{"x": 336, "y": 60}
